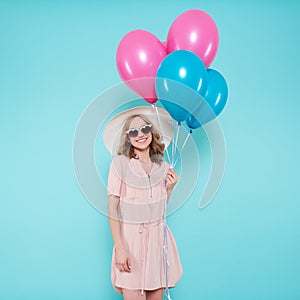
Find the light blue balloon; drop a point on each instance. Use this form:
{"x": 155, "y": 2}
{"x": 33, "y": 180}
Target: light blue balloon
{"x": 181, "y": 79}
{"x": 215, "y": 100}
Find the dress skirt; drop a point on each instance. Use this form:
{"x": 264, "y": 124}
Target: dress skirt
{"x": 144, "y": 243}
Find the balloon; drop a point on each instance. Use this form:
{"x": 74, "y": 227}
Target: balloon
{"x": 138, "y": 56}
{"x": 196, "y": 31}
{"x": 215, "y": 100}
{"x": 181, "y": 80}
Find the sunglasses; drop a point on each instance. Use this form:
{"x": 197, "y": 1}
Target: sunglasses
{"x": 134, "y": 132}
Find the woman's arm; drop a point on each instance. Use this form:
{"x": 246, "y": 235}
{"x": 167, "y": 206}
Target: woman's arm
{"x": 122, "y": 258}
{"x": 113, "y": 207}
{"x": 171, "y": 179}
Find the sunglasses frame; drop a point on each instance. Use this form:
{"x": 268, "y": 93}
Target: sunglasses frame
{"x": 139, "y": 129}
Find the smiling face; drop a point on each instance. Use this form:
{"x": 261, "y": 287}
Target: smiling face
{"x": 142, "y": 141}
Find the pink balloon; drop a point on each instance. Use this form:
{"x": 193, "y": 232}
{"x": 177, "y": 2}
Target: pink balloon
{"x": 139, "y": 55}
{"x": 196, "y": 31}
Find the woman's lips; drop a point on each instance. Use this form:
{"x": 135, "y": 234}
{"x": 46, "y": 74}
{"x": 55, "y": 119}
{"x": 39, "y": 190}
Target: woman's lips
{"x": 143, "y": 140}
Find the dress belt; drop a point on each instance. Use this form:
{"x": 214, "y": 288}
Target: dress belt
{"x": 143, "y": 230}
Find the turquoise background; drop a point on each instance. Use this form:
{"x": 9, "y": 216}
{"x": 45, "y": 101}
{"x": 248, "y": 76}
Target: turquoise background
{"x": 56, "y": 56}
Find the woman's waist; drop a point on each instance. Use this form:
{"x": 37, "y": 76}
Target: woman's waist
{"x": 145, "y": 223}
{"x": 137, "y": 212}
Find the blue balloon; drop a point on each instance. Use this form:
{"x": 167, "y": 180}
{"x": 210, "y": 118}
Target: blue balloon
{"x": 215, "y": 100}
{"x": 192, "y": 122}
{"x": 181, "y": 79}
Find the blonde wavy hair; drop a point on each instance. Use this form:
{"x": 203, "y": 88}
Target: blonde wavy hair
{"x": 156, "y": 150}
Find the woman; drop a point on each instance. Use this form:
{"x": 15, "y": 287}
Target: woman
{"x": 139, "y": 182}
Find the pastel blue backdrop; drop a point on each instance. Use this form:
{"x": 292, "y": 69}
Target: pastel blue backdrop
{"x": 56, "y": 56}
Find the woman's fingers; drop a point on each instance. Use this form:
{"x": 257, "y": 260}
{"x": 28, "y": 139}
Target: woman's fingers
{"x": 172, "y": 172}
{"x": 121, "y": 267}
{"x": 127, "y": 266}
{"x": 124, "y": 267}
{"x": 122, "y": 260}
{"x": 172, "y": 175}
{"x": 170, "y": 179}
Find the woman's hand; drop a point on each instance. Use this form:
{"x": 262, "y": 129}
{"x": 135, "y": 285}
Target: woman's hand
{"x": 171, "y": 179}
{"x": 122, "y": 259}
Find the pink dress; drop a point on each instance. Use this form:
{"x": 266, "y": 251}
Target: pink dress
{"x": 141, "y": 213}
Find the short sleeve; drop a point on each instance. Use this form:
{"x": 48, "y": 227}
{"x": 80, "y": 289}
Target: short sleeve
{"x": 114, "y": 181}
{"x": 167, "y": 166}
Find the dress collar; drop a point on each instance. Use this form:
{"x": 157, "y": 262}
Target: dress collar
{"x": 137, "y": 168}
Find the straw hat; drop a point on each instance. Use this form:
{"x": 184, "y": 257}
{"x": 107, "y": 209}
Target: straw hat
{"x": 112, "y": 131}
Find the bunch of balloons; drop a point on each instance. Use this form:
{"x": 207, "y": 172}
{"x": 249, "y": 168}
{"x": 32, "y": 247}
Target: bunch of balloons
{"x": 176, "y": 71}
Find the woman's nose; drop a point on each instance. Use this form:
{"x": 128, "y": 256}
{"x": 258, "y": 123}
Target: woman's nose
{"x": 140, "y": 133}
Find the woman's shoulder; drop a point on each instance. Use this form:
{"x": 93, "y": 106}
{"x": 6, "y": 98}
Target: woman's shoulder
{"x": 166, "y": 164}
{"x": 118, "y": 164}
{"x": 119, "y": 160}
{"x": 120, "y": 157}
{"x": 163, "y": 165}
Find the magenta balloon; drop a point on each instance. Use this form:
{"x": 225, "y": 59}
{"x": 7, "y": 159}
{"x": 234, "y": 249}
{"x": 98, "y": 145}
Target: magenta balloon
{"x": 139, "y": 55}
{"x": 196, "y": 31}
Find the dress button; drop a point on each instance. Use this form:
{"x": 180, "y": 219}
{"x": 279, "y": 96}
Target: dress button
{"x": 141, "y": 228}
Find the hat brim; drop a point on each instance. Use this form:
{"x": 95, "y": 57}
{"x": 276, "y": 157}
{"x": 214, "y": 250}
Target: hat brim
{"x": 162, "y": 122}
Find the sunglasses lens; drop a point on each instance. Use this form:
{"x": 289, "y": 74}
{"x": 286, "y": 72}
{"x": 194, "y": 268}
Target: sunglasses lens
{"x": 133, "y": 133}
{"x": 146, "y": 129}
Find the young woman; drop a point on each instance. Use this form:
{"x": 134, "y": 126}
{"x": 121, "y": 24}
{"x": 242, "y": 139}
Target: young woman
{"x": 139, "y": 181}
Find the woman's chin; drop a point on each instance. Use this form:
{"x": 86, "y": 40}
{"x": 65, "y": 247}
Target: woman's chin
{"x": 141, "y": 146}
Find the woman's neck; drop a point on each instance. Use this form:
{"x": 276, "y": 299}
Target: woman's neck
{"x": 143, "y": 155}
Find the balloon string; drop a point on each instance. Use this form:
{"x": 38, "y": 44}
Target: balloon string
{"x": 184, "y": 143}
{"x": 165, "y": 248}
{"x": 160, "y": 127}
{"x": 176, "y": 141}
{"x": 186, "y": 139}
{"x": 173, "y": 143}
